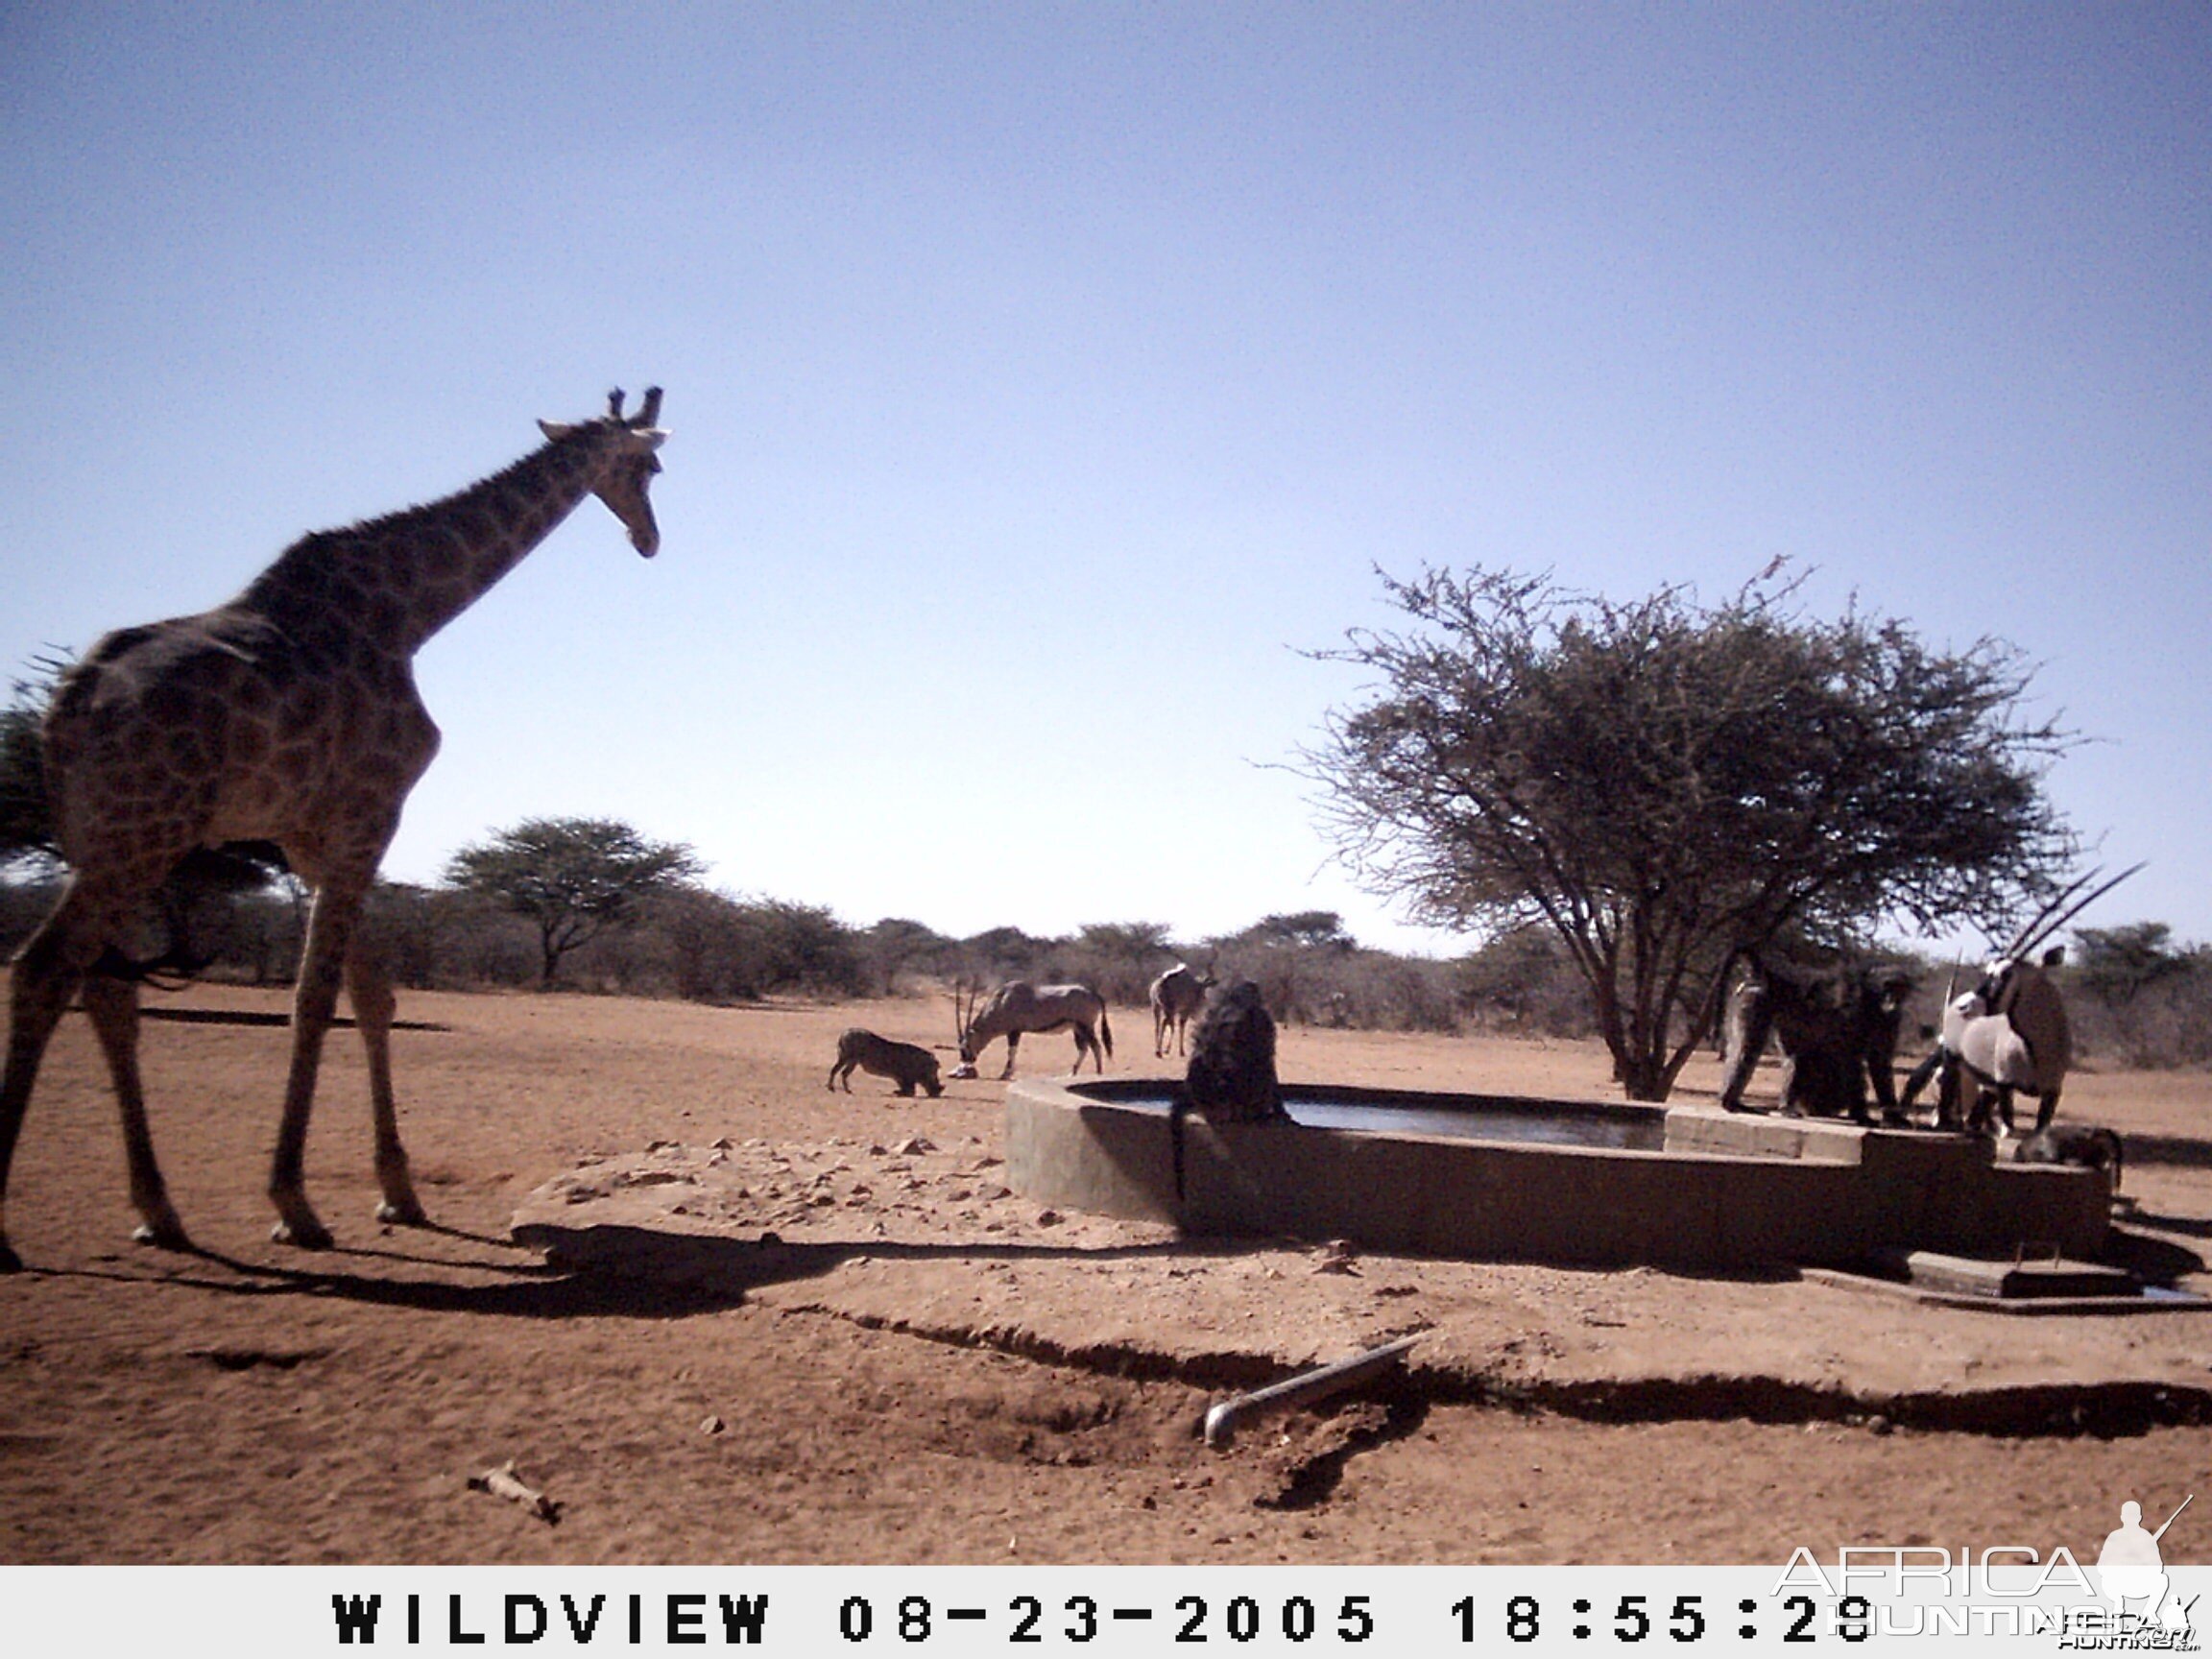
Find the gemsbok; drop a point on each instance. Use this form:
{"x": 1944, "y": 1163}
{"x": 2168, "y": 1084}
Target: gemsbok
{"x": 1019, "y": 1007}
{"x": 2010, "y": 1034}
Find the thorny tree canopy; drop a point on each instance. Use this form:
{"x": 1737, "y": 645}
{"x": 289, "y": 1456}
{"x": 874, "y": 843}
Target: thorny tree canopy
{"x": 573, "y": 876}
{"x": 1663, "y": 783}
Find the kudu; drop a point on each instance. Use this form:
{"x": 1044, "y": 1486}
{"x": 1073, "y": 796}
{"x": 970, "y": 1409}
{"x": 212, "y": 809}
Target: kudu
{"x": 1176, "y": 998}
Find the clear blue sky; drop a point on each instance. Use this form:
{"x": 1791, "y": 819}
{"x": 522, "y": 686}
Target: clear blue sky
{"x": 1045, "y": 378}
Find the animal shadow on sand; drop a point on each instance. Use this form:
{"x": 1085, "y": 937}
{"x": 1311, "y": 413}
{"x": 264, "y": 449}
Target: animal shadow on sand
{"x": 662, "y": 1274}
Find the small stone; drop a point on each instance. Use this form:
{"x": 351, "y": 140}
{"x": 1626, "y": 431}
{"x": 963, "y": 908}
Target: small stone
{"x": 712, "y": 1426}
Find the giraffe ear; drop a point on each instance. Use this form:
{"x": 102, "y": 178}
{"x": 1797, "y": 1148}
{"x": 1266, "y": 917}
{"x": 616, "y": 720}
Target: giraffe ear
{"x": 555, "y": 429}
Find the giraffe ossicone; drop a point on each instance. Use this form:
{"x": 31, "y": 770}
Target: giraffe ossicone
{"x": 289, "y": 714}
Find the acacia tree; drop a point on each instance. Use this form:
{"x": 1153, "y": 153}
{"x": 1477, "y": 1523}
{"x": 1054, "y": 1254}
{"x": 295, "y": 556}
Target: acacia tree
{"x": 26, "y": 815}
{"x": 574, "y": 878}
{"x": 1664, "y": 784}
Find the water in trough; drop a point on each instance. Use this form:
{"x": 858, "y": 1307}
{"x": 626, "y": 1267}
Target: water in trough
{"x": 1466, "y": 1118}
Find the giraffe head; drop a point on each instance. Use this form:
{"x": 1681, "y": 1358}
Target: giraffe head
{"x": 622, "y": 462}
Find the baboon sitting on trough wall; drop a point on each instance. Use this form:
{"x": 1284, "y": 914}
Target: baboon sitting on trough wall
{"x": 1232, "y": 1073}
{"x": 1231, "y": 1077}
{"x": 1837, "y": 1031}
{"x": 906, "y": 1063}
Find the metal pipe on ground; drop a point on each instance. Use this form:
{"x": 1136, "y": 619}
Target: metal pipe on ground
{"x": 1302, "y": 1389}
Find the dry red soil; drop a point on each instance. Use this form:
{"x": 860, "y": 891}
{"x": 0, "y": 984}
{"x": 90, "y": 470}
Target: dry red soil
{"x": 925, "y": 1367}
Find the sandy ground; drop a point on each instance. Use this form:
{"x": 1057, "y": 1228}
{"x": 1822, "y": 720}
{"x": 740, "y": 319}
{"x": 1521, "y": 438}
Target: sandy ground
{"x": 923, "y": 1367}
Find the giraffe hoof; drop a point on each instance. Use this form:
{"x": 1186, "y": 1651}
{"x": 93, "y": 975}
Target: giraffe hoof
{"x": 168, "y": 1237}
{"x": 410, "y": 1214}
{"x": 307, "y": 1236}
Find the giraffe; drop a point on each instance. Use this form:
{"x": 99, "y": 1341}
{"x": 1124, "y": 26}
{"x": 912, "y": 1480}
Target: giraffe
{"x": 289, "y": 716}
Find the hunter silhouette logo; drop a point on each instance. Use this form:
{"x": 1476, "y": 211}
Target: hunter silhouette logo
{"x": 2131, "y": 1569}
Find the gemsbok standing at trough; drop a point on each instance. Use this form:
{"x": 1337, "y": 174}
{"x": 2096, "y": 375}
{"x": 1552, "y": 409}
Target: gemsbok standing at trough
{"x": 289, "y": 716}
{"x": 1176, "y": 996}
{"x": 2010, "y": 1034}
{"x": 1019, "y": 1007}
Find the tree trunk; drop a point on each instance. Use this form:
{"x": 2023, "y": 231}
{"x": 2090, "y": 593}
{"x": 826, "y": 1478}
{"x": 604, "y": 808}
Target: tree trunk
{"x": 1644, "y": 1077}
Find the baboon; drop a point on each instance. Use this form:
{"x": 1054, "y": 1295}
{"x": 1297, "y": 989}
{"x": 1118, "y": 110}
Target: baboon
{"x": 906, "y": 1063}
{"x": 1231, "y": 1077}
{"x": 1232, "y": 1073}
{"x": 1836, "y": 1029}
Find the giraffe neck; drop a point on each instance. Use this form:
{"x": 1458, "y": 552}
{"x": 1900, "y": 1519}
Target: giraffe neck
{"x": 397, "y": 581}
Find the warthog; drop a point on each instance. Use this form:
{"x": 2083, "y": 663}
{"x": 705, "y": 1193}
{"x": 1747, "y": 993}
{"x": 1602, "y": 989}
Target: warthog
{"x": 1230, "y": 1078}
{"x": 2090, "y": 1145}
{"x": 1177, "y": 996}
{"x": 1836, "y": 1029}
{"x": 906, "y": 1063}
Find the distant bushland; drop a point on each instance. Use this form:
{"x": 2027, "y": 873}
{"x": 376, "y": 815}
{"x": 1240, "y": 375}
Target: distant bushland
{"x": 2138, "y": 999}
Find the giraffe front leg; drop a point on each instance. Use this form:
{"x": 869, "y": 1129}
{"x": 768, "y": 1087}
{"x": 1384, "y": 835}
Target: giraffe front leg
{"x": 369, "y": 987}
{"x": 329, "y": 932}
{"x": 112, "y": 1005}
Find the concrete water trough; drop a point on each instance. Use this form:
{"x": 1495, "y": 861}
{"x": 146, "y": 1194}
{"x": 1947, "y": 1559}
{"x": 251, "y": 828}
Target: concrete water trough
{"x": 1503, "y": 1178}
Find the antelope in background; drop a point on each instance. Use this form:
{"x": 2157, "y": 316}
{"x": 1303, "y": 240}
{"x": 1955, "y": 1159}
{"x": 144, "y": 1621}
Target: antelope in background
{"x": 1177, "y": 996}
{"x": 1019, "y": 1007}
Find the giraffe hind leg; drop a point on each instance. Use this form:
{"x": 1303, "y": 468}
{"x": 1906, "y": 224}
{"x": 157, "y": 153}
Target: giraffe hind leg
{"x": 112, "y": 1004}
{"x": 47, "y": 973}
{"x": 39, "y": 989}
